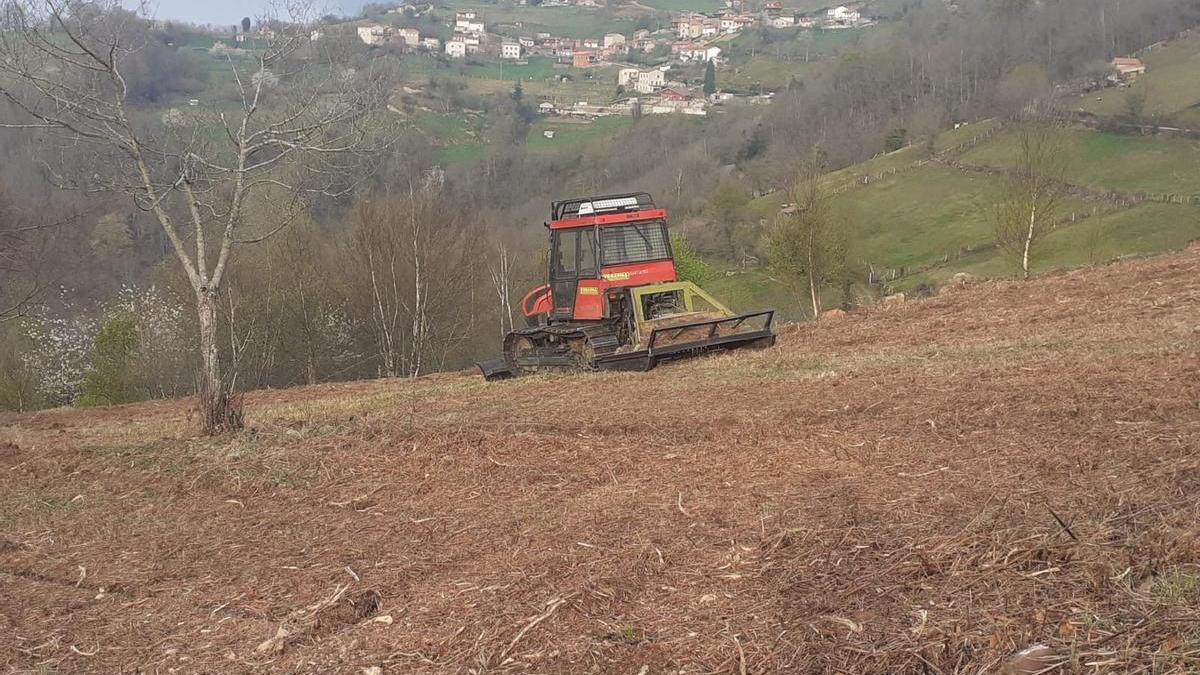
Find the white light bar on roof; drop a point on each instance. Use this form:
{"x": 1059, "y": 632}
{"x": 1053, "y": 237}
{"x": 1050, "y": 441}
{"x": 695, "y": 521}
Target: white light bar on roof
{"x": 588, "y": 208}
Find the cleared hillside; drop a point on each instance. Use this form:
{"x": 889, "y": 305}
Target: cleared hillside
{"x": 932, "y": 486}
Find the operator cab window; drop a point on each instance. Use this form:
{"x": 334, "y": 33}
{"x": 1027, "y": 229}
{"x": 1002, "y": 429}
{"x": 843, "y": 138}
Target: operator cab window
{"x": 637, "y": 242}
{"x": 566, "y": 250}
{"x": 574, "y": 253}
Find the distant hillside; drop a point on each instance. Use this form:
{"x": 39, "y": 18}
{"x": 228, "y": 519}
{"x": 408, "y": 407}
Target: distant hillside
{"x": 924, "y": 219}
{"x": 1170, "y": 87}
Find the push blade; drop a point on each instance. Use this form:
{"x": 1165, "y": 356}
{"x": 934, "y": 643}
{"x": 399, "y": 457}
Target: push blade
{"x": 494, "y": 369}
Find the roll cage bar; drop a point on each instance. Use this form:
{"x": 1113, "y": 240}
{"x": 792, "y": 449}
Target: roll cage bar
{"x": 569, "y": 208}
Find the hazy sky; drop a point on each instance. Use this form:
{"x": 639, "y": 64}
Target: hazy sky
{"x": 232, "y": 11}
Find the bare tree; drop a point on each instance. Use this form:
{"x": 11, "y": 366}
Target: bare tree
{"x": 808, "y": 243}
{"x": 1033, "y": 191}
{"x": 301, "y": 126}
{"x": 500, "y": 270}
{"x": 22, "y": 248}
{"x": 411, "y": 276}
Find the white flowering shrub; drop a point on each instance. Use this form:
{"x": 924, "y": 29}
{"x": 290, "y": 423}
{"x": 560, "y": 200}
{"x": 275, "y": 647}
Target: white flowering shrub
{"x": 61, "y": 350}
{"x": 338, "y": 333}
{"x": 63, "y": 341}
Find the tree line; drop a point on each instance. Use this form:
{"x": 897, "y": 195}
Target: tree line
{"x": 296, "y": 228}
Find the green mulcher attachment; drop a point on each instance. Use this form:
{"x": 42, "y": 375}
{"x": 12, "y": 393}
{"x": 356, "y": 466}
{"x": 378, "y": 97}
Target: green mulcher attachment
{"x": 661, "y": 322}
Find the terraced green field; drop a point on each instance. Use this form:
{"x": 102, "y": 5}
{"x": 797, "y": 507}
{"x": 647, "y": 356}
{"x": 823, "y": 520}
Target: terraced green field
{"x": 684, "y": 5}
{"x": 574, "y": 135}
{"x": 573, "y": 22}
{"x": 458, "y": 135}
{"x": 1158, "y": 165}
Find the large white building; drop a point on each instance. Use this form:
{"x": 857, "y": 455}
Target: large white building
{"x": 699, "y": 52}
{"x": 374, "y": 34}
{"x": 411, "y": 36}
{"x": 468, "y": 23}
{"x": 650, "y": 81}
{"x": 843, "y": 15}
{"x": 641, "y": 81}
{"x": 456, "y": 49}
{"x": 510, "y": 50}
{"x": 613, "y": 40}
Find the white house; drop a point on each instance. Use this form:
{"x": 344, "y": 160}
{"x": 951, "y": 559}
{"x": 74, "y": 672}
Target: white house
{"x": 469, "y": 27}
{"x": 456, "y": 49}
{"x": 683, "y": 26}
{"x": 843, "y": 15}
{"x": 650, "y": 81}
{"x": 374, "y": 34}
{"x": 699, "y": 53}
{"x": 411, "y": 36}
{"x": 783, "y": 21}
{"x": 526, "y": 43}
{"x": 431, "y": 43}
{"x": 510, "y": 50}
{"x": 641, "y": 81}
{"x": 468, "y": 23}
{"x": 613, "y": 40}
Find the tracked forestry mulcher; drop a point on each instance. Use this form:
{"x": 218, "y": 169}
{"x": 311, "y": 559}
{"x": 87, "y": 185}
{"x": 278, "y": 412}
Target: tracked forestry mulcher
{"x": 613, "y": 301}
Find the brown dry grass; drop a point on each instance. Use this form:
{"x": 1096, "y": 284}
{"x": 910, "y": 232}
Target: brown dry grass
{"x": 879, "y": 494}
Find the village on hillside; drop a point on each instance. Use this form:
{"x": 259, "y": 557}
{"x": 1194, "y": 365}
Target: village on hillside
{"x": 581, "y": 65}
{"x": 646, "y": 67}
{"x": 642, "y": 59}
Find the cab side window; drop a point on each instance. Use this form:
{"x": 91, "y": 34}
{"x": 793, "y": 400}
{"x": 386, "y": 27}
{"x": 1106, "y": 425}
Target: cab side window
{"x": 575, "y": 253}
{"x": 565, "y": 253}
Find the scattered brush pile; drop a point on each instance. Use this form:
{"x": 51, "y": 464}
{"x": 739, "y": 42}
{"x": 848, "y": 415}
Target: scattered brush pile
{"x": 1000, "y": 479}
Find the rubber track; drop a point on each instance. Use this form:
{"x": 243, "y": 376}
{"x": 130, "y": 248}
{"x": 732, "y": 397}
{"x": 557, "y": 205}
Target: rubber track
{"x": 601, "y": 337}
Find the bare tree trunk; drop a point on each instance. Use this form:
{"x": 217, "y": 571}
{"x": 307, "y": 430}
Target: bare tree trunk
{"x": 815, "y": 294}
{"x": 384, "y": 342}
{"x": 420, "y": 317}
{"x": 220, "y": 411}
{"x": 1028, "y": 240}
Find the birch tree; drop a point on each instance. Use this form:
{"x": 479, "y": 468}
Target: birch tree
{"x": 1033, "y": 191}
{"x": 411, "y": 273}
{"x": 301, "y": 132}
{"x": 500, "y": 271}
{"x": 807, "y": 245}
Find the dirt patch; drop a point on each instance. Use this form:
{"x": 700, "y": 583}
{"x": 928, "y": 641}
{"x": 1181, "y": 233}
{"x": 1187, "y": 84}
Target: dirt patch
{"x": 931, "y": 488}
